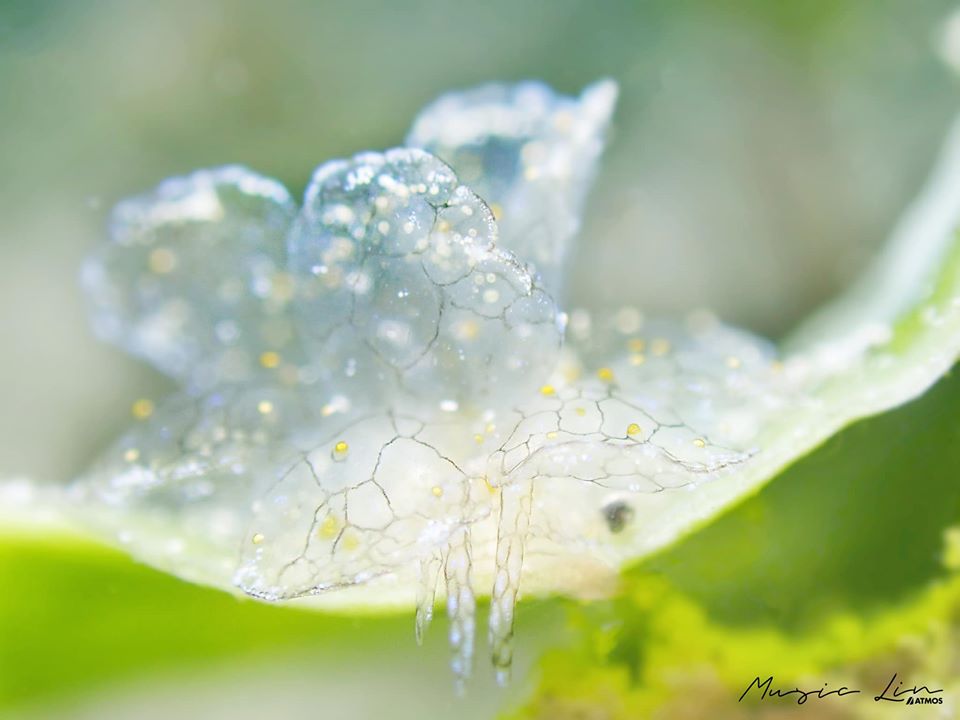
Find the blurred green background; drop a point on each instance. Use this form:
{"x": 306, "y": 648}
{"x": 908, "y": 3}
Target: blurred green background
{"x": 761, "y": 152}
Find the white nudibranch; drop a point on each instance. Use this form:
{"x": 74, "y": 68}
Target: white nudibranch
{"x": 383, "y": 405}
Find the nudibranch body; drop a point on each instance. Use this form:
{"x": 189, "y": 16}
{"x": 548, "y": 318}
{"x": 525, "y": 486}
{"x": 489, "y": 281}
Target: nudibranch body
{"x": 383, "y": 401}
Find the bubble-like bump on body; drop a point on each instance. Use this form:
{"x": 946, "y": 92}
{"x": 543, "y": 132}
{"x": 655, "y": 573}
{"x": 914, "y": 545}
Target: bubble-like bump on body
{"x": 530, "y": 153}
{"x": 193, "y": 278}
{"x": 405, "y": 296}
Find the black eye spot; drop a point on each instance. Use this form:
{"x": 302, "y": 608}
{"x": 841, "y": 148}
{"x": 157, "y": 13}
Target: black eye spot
{"x": 617, "y": 514}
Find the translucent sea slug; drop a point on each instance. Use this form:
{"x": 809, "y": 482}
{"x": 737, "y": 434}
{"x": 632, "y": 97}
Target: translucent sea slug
{"x": 383, "y": 402}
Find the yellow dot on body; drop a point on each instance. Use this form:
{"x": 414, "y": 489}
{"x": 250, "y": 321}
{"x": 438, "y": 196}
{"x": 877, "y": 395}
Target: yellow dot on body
{"x": 605, "y": 374}
{"x": 467, "y": 330}
{"x": 340, "y": 450}
{"x": 660, "y": 346}
{"x": 436, "y": 490}
{"x": 350, "y": 542}
{"x": 162, "y": 261}
{"x": 633, "y": 429}
{"x": 131, "y": 455}
{"x": 636, "y": 345}
{"x": 637, "y": 359}
{"x": 490, "y": 296}
{"x": 552, "y": 435}
{"x": 257, "y": 538}
{"x": 329, "y": 527}
{"x": 490, "y": 428}
{"x": 478, "y": 439}
{"x": 548, "y": 390}
{"x": 733, "y": 362}
{"x": 270, "y": 359}
{"x": 700, "y": 442}
{"x": 581, "y": 411}
{"x": 142, "y": 409}
{"x": 265, "y": 407}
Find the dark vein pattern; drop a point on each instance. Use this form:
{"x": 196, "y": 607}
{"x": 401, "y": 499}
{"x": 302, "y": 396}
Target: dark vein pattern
{"x": 405, "y": 294}
{"x": 376, "y": 408}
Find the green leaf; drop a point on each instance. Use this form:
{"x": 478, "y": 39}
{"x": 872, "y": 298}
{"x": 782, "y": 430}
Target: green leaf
{"x": 842, "y": 571}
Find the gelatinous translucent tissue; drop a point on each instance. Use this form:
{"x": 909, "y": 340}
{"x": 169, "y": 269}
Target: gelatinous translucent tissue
{"x": 530, "y": 153}
{"x": 383, "y": 405}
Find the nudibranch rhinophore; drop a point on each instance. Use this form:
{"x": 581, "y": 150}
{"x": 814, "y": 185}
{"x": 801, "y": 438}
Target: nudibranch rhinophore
{"x": 383, "y": 402}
